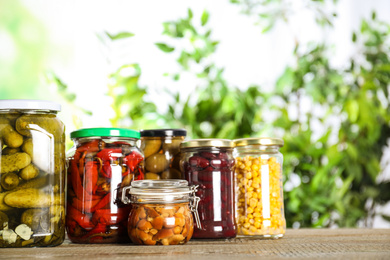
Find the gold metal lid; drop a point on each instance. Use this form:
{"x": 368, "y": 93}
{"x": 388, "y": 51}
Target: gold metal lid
{"x": 206, "y": 143}
{"x": 259, "y": 141}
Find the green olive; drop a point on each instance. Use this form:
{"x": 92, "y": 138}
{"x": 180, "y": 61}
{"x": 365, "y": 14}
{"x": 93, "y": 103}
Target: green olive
{"x": 172, "y": 146}
{"x": 152, "y": 176}
{"x": 171, "y": 174}
{"x": 156, "y": 163}
{"x": 150, "y": 146}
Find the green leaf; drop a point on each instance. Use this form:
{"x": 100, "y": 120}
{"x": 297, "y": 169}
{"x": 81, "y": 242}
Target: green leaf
{"x": 205, "y": 17}
{"x": 190, "y": 14}
{"x": 120, "y": 35}
{"x": 164, "y": 47}
{"x": 354, "y": 37}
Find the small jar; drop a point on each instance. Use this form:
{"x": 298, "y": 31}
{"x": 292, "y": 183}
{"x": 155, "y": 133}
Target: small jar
{"x": 32, "y": 196}
{"x": 209, "y": 163}
{"x": 259, "y": 187}
{"x": 101, "y": 162}
{"x": 161, "y": 211}
{"x": 161, "y": 148}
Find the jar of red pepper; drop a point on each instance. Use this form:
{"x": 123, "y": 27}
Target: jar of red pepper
{"x": 101, "y": 162}
{"x": 209, "y": 163}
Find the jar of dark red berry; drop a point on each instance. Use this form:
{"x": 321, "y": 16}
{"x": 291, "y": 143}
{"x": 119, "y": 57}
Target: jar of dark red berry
{"x": 209, "y": 163}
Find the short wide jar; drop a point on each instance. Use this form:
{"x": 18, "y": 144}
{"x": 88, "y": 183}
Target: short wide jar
{"x": 32, "y": 170}
{"x": 259, "y": 187}
{"x": 209, "y": 163}
{"x": 161, "y": 211}
{"x": 101, "y": 163}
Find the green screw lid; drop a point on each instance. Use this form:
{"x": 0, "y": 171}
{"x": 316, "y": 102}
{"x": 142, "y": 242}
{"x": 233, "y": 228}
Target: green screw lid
{"x": 106, "y": 132}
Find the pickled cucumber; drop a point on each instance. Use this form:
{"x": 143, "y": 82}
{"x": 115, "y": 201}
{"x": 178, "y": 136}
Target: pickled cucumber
{"x": 29, "y": 172}
{"x": 3, "y": 206}
{"x": 14, "y": 162}
{"x": 32, "y": 217}
{"x": 9, "y": 181}
{"x": 9, "y": 150}
{"x": 47, "y": 124}
{"x": 31, "y": 198}
{"x": 10, "y": 137}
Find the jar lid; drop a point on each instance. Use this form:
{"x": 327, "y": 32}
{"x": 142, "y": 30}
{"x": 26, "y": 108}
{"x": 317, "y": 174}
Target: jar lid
{"x": 207, "y": 143}
{"x": 259, "y": 141}
{"x": 163, "y": 132}
{"x": 29, "y": 104}
{"x": 106, "y": 132}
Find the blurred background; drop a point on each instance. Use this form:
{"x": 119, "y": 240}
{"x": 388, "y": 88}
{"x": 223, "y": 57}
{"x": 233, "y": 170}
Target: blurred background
{"x": 315, "y": 73}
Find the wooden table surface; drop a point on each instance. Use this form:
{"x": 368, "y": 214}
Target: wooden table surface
{"x": 300, "y": 243}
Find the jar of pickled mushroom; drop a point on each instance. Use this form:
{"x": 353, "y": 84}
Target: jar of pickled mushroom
{"x": 161, "y": 211}
{"x": 32, "y": 174}
{"x": 161, "y": 148}
{"x": 259, "y": 187}
{"x": 209, "y": 163}
{"x": 101, "y": 162}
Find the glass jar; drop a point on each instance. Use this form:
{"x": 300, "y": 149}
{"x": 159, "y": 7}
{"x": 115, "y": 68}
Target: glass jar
{"x": 259, "y": 187}
{"x": 161, "y": 211}
{"x": 101, "y": 162}
{"x": 209, "y": 163}
{"x": 161, "y": 148}
{"x": 32, "y": 170}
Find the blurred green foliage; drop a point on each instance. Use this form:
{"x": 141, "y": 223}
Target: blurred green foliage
{"x": 23, "y": 52}
{"x": 335, "y": 122}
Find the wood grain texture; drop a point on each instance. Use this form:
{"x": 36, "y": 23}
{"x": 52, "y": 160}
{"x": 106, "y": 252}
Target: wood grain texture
{"x": 301, "y": 243}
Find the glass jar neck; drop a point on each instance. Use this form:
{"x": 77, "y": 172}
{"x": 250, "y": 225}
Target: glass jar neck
{"x": 111, "y": 139}
{"x": 28, "y": 111}
{"x": 258, "y": 148}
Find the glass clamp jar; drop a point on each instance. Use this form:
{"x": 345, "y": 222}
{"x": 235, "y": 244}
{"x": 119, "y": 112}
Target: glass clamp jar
{"x": 259, "y": 187}
{"x": 209, "y": 163}
{"x": 101, "y": 162}
{"x": 161, "y": 211}
{"x": 32, "y": 170}
{"x": 161, "y": 148}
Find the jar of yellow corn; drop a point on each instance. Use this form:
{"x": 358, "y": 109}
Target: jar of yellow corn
{"x": 259, "y": 187}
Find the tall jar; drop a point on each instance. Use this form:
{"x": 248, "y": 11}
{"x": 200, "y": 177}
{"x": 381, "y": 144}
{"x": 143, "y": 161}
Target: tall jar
{"x": 32, "y": 170}
{"x": 209, "y": 163}
{"x": 161, "y": 211}
{"x": 161, "y": 148}
{"x": 101, "y": 162}
{"x": 259, "y": 187}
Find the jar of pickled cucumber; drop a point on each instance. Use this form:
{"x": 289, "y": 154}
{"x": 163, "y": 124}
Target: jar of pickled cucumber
{"x": 259, "y": 187}
{"x": 32, "y": 174}
{"x": 101, "y": 162}
{"x": 161, "y": 211}
{"x": 161, "y": 148}
{"x": 209, "y": 163}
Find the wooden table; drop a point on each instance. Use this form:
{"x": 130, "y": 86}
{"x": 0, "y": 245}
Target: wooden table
{"x": 301, "y": 243}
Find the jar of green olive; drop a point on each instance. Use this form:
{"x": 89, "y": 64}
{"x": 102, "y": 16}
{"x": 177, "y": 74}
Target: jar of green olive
{"x": 32, "y": 170}
{"x": 161, "y": 148}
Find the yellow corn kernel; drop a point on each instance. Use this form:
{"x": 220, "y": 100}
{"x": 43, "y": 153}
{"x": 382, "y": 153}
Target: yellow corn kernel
{"x": 249, "y": 210}
{"x": 250, "y": 216}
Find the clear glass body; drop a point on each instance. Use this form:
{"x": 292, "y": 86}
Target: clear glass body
{"x": 160, "y": 224}
{"x": 32, "y": 169}
{"x": 212, "y": 169}
{"x": 259, "y": 191}
{"x": 98, "y": 168}
{"x": 162, "y": 157}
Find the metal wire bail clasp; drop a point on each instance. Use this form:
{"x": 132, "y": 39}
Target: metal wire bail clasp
{"x": 124, "y": 198}
{"x": 194, "y": 201}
